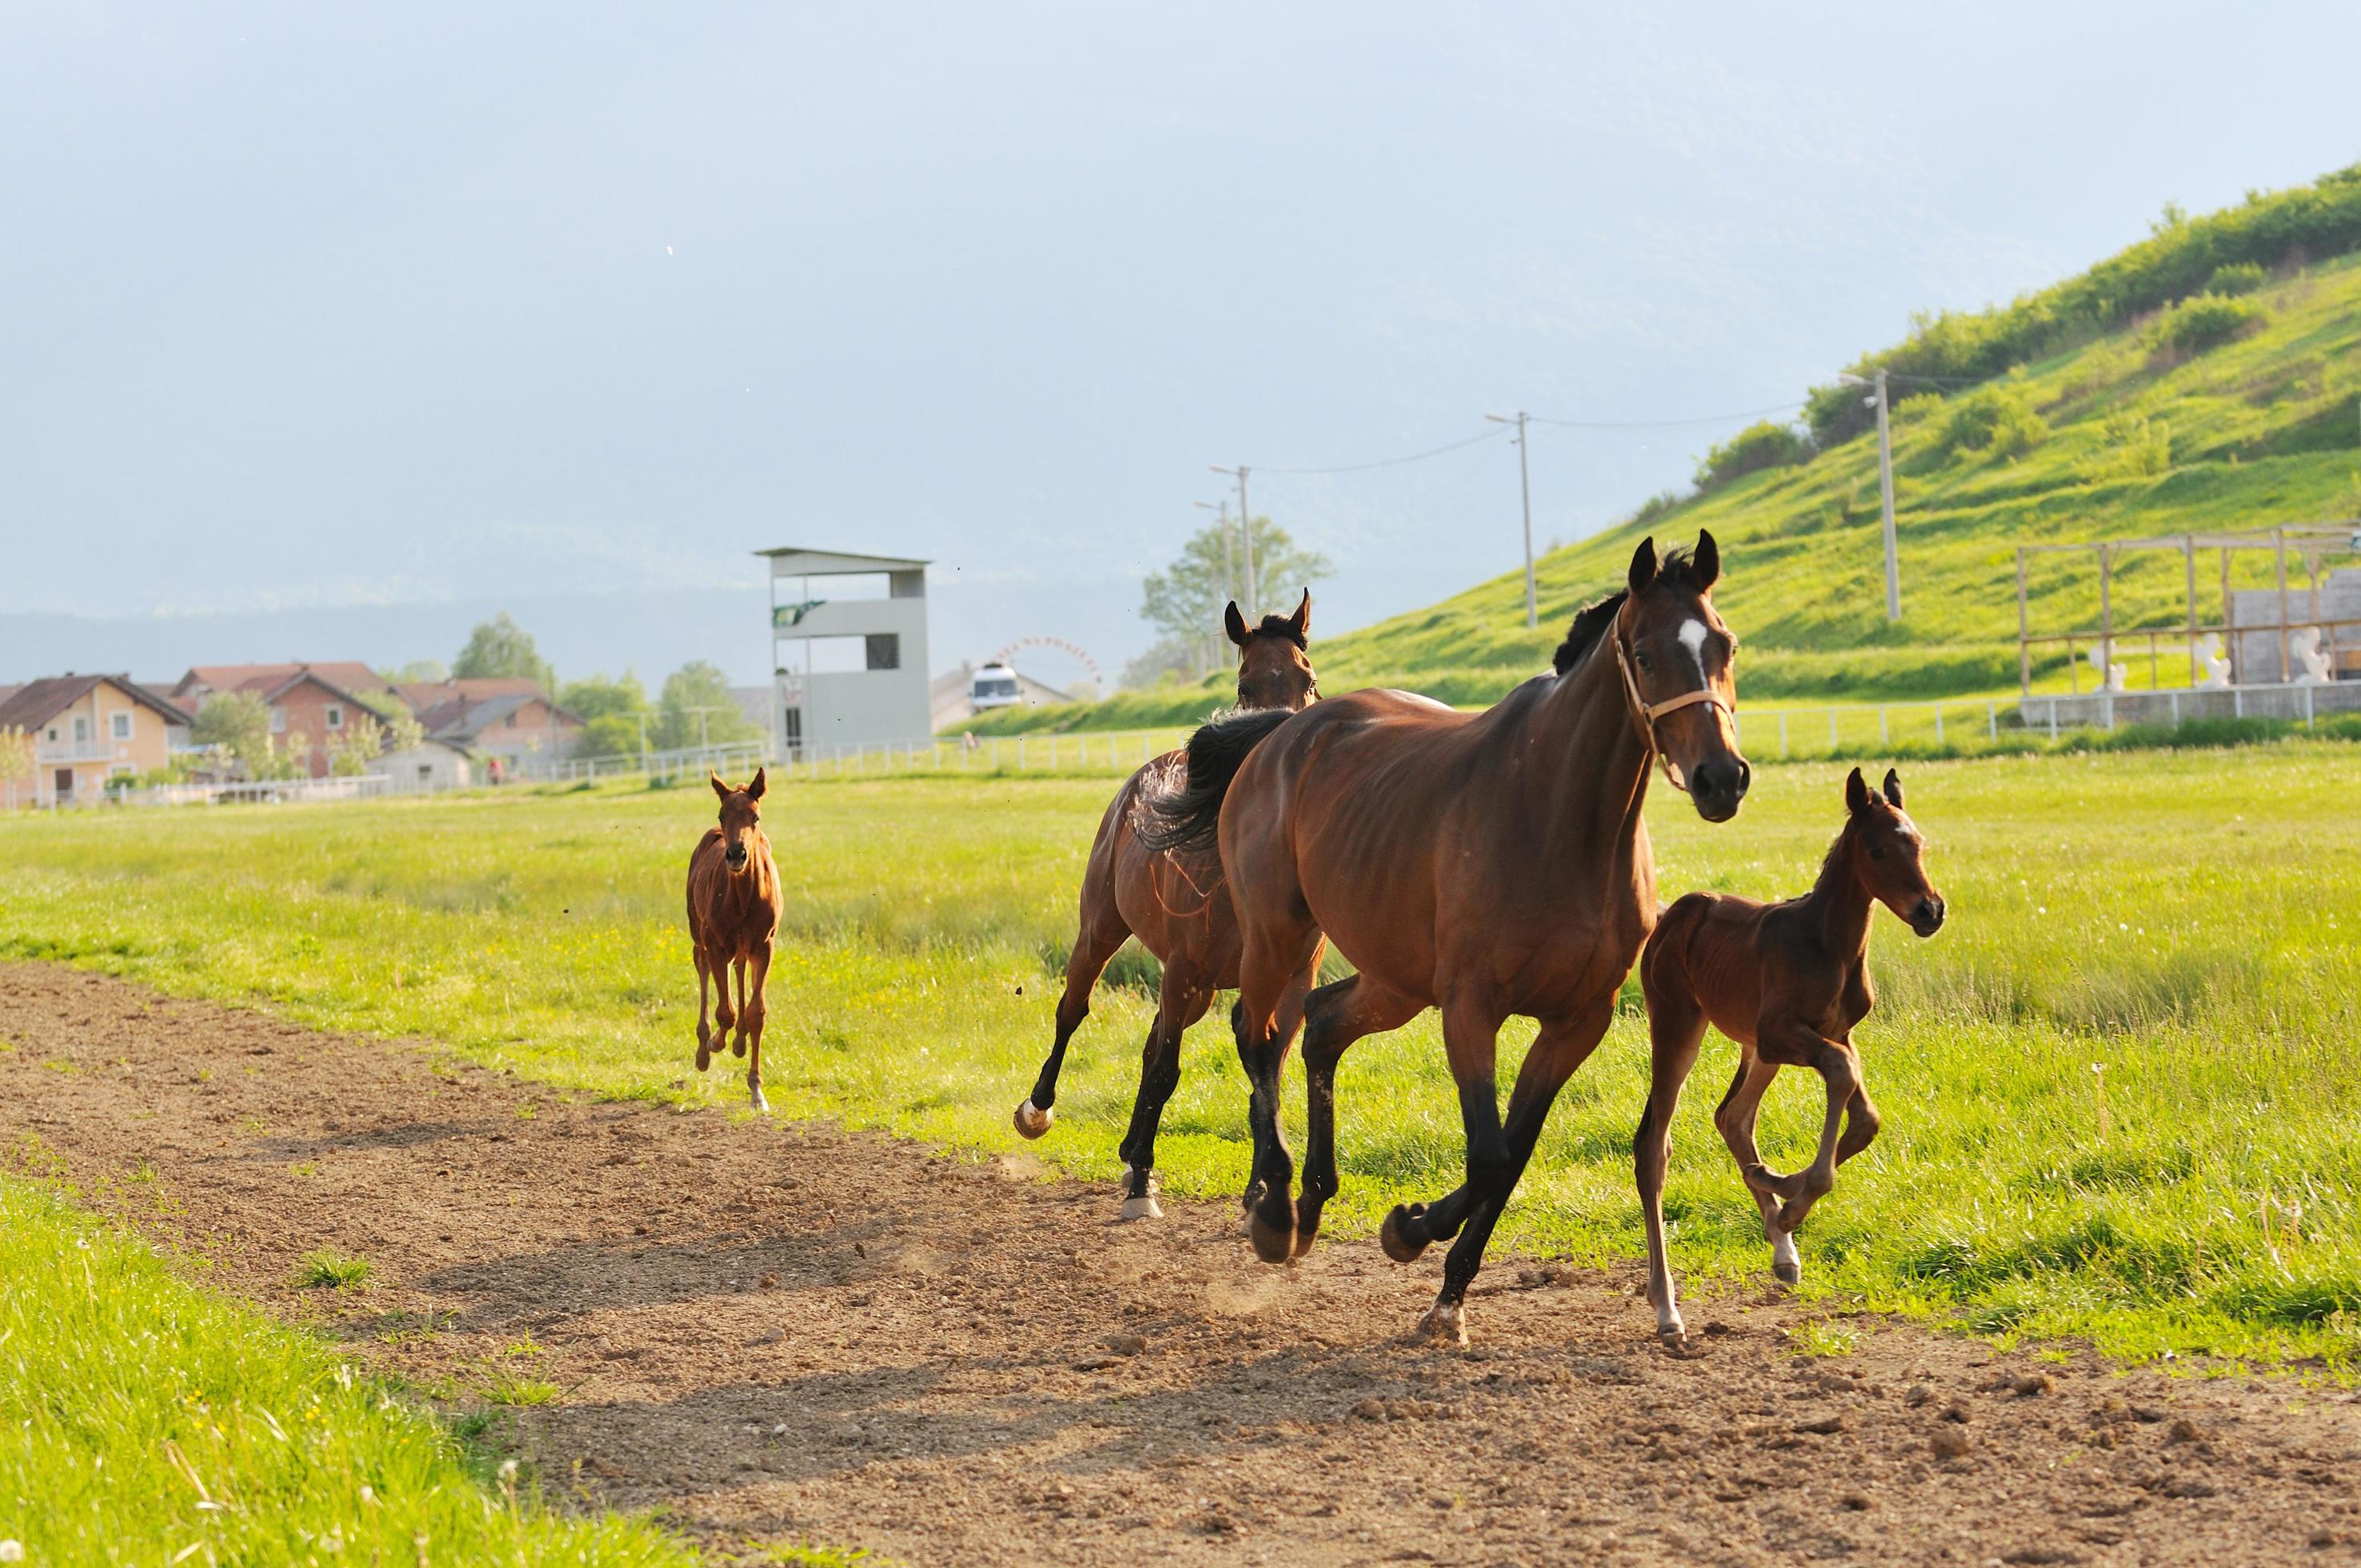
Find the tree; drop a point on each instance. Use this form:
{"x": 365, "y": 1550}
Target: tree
{"x": 17, "y": 753}
{"x": 1184, "y": 600}
{"x": 698, "y": 687}
{"x": 500, "y": 647}
{"x": 1164, "y": 662}
{"x": 612, "y": 712}
{"x": 239, "y": 723}
{"x": 361, "y": 742}
{"x": 422, "y": 672}
{"x": 1765, "y": 444}
{"x": 399, "y": 727}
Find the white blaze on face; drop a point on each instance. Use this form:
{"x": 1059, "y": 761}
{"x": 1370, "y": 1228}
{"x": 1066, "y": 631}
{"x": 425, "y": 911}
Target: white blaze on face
{"x": 1692, "y": 636}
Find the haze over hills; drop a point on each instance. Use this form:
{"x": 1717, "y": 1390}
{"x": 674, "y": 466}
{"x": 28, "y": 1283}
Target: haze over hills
{"x": 2206, "y": 379}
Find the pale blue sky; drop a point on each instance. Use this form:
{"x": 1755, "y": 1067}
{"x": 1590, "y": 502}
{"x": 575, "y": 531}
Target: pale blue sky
{"x": 303, "y": 306}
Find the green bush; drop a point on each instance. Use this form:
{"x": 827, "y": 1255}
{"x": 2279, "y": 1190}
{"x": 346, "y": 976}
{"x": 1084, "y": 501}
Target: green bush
{"x": 2237, "y": 278}
{"x": 2130, "y": 448}
{"x": 1765, "y": 444}
{"x": 2206, "y": 321}
{"x": 1994, "y": 422}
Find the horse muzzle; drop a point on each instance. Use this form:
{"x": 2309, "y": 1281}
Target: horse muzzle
{"x": 737, "y": 860}
{"x": 1927, "y": 918}
{"x": 1717, "y": 785}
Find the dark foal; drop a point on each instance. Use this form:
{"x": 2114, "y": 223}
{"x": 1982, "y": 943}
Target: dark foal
{"x": 1175, "y": 903}
{"x": 734, "y": 906}
{"x": 1787, "y": 982}
{"x": 1489, "y": 864}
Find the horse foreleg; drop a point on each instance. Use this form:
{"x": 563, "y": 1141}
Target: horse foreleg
{"x": 1264, "y": 1038}
{"x": 1840, "y": 1072}
{"x": 1735, "y": 1118}
{"x": 1334, "y": 1018}
{"x": 1861, "y": 1122}
{"x": 725, "y": 1013}
{"x": 738, "y": 971}
{"x": 1675, "y": 1029}
{"x": 758, "y": 1007}
{"x": 704, "y": 1028}
{"x": 1181, "y": 1002}
{"x": 1103, "y": 931}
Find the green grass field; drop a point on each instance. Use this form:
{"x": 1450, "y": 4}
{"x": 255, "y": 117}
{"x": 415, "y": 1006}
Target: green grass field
{"x": 2120, "y": 1089}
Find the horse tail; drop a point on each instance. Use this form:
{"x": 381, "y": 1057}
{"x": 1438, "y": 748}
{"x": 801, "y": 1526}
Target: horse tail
{"x": 1188, "y": 818}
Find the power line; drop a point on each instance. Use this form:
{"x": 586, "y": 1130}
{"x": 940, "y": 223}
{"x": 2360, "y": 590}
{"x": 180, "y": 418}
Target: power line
{"x": 1667, "y": 423}
{"x": 1385, "y": 462}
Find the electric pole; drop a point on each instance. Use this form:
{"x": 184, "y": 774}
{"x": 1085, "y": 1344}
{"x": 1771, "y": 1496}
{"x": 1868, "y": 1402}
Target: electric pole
{"x": 1246, "y": 536}
{"x": 1885, "y": 487}
{"x": 1525, "y": 483}
{"x": 1229, "y": 567}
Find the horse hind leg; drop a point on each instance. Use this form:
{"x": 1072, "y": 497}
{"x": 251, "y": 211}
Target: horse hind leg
{"x": 758, "y": 1008}
{"x": 738, "y": 1043}
{"x": 1285, "y": 975}
{"x": 1675, "y": 1029}
{"x": 1735, "y": 1118}
{"x": 1183, "y": 1002}
{"x": 704, "y": 1027}
{"x": 1094, "y": 947}
{"x": 1334, "y": 1018}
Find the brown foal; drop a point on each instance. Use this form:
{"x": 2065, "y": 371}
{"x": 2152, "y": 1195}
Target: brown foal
{"x": 1175, "y": 903}
{"x": 734, "y": 908}
{"x": 1787, "y": 982}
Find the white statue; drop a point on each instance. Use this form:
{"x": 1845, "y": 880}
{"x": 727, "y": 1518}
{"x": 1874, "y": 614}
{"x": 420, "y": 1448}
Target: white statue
{"x": 2306, "y": 659}
{"x": 2217, "y": 665}
{"x": 2112, "y": 676}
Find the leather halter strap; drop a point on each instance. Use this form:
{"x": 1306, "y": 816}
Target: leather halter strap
{"x": 1648, "y": 713}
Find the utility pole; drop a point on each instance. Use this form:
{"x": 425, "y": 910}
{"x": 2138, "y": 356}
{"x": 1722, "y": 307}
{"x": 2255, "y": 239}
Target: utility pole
{"x": 1885, "y": 487}
{"x": 1229, "y": 567}
{"x": 1525, "y": 482}
{"x": 1245, "y": 537}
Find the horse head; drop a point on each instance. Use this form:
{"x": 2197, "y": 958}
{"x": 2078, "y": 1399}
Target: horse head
{"x": 1889, "y": 853}
{"x": 1274, "y": 659}
{"x": 1676, "y": 654}
{"x": 742, "y": 818}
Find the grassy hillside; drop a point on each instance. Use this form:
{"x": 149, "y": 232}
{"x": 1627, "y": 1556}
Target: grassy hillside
{"x": 2234, "y": 406}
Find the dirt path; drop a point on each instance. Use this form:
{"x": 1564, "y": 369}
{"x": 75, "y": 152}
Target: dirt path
{"x": 780, "y": 1331}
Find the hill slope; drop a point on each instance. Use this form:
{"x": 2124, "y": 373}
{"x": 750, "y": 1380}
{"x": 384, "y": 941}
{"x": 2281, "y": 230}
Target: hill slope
{"x": 2234, "y": 406}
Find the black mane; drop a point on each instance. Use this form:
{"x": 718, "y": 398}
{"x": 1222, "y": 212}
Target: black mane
{"x": 1674, "y": 568}
{"x": 1280, "y": 626}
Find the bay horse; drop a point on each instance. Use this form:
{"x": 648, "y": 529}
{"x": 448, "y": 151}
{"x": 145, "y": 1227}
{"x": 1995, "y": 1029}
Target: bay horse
{"x": 1787, "y": 982}
{"x": 1487, "y": 864}
{"x": 734, "y": 909}
{"x": 1175, "y": 903}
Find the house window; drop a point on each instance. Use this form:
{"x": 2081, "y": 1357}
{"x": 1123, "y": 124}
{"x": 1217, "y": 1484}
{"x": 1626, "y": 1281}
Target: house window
{"x": 122, "y": 723}
{"x": 426, "y": 772}
{"x": 53, "y": 733}
{"x": 885, "y": 649}
{"x": 335, "y": 715}
{"x": 278, "y": 722}
{"x": 81, "y": 728}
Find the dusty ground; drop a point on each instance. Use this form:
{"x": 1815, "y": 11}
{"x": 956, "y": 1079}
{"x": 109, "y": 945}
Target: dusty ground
{"x": 788, "y": 1333}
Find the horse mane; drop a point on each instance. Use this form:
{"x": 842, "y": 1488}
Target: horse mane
{"x": 1280, "y": 626}
{"x": 1675, "y": 567}
{"x": 1590, "y": 624}
{"x": 1189, "y": 818}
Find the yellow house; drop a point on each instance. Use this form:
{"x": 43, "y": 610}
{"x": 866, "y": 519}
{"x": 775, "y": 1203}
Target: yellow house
{"x": 81, "y": 731}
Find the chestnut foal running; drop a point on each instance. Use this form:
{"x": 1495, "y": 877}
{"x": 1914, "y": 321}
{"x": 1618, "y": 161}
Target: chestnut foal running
{"x": 1489, "y": 864}
{"x": 734, "y": 908}
{"x": 1787, "y": 982}
{"x": 1175, "y": 903}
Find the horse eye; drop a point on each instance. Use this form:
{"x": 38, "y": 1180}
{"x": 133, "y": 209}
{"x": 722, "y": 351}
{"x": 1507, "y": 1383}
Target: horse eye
{"x": 1875, "y": 853}
{"x": 1642, "y": 660}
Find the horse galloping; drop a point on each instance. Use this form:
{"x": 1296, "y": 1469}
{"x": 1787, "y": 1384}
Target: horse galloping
{"x": 1487, "y": 864}
{"x": 1787, "y": 982}
{"x": 734, "y": 908}
{"x": 1176, "y": 904}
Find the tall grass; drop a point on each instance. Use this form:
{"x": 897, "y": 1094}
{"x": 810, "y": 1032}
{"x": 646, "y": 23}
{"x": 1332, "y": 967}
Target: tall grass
{"x": 2181, "y": 920}
{"x": 145, "y": 1420}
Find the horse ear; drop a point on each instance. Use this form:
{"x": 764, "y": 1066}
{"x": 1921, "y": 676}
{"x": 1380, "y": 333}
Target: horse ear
{"x": 718, "y": 787}
{"x": 1856, "y": 793}
{"x": 1302, "y": 617}
{"x": 1235, "y": 624}
{"x": 1643, "y": 565}
{"x": 754, "y": 790}
{"x": 1893, "y": 789}
{"x": 1707, "y": 562}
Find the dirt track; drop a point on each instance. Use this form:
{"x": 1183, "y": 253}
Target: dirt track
{"x": 778, "y": 1332}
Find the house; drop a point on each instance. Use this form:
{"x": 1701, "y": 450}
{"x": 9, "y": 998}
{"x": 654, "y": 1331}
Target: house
{"x": 507, "y": 717}
{"x": 425, "y": 768}
{"x": 84, "y": 731}
{"x": 313, "y": 703}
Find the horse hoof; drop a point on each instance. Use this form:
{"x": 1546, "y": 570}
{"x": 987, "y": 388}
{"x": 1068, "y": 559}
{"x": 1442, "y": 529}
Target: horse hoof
{"x": 1032, "y": 1121}
{"x": 1250, "y": 1196}
{"x": 1787, "y": 1271}
{"x": 755, "y": 1101}
{"x": 737, "y": 1047}
{"x": 1392, "y": 1237}
{"x": 1305, "y": 1240}
{"x": 704, "y": 1057}
{"x": 1141, "y": 1207}
{"x": 1445, "y": 1322}
{"x": 1678, "y": 1346}
{"x": 1271, "y": 1243}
